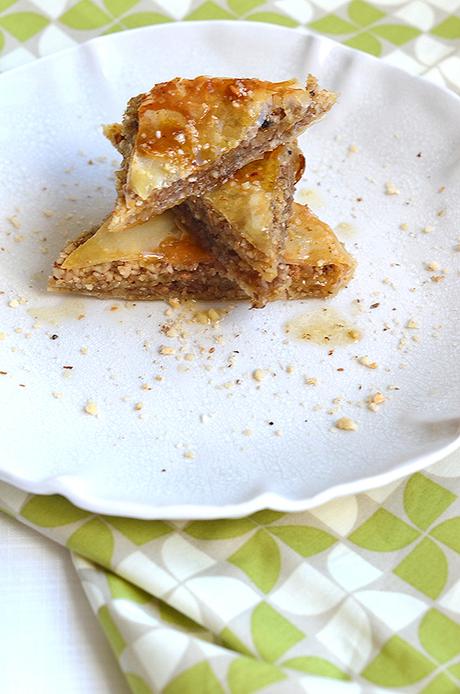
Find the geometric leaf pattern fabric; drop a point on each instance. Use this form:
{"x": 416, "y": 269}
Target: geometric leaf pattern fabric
{"x": 360, "y": 595}
{"x": 421, "y": 36}
{"x": 275, "y": 602}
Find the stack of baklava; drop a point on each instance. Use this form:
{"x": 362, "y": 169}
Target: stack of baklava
{"x": 205, "y": 199}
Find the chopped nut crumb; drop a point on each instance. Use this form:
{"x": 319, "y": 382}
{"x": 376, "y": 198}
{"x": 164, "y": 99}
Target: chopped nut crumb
{"x": 388, "y": 282}
{"x": 138, "y": 406}
{"x": 14, "y": 221}
{"x": 432, "y": 266}
{"x": 289, "y": 369}
{"x": 311, "y": 381}
{"x": 346, "y": 424}
{"x": 215, "y": 315}
{"x": 404, "y": 226}
{"x": 247, "y": 432}
{"x": 210, "y": 316}
{"x": 375, "y": 400}
{"x": 365, "y": 361}
{"x": 84, "y": 350}
{"x": 428, "y": 229}
{"x": 412, "y": 324}
{"x": 353, "y": 149}
{"x": 390, "y": 188}
{"x": 259, "y": 374}
{"x": 167, "y": 350}
{"x": 14, "y": 303}
{"x": 159, "y": 378}
{"x": 201, "y": 317}
{"x": 56, "y": 395}
{"x": 355, "y": 334}
{"x": 440, "y": 213}
{"x": 189, "y": 356}
{"x": 145, "y": 386}
{"x": 189, "y": 455}
{"x": 91, "y": 408}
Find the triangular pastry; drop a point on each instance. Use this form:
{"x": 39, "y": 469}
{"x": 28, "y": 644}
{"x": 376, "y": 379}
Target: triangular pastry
{"x": 159, "y": 260}
{"x": 185, "y": 137}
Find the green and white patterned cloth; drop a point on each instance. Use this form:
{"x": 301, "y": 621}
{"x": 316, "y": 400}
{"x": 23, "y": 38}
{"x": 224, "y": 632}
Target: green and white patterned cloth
{"x": 356, "y": 596}
{"x": 359, "y": 595}
{"x": 420, "y": 36}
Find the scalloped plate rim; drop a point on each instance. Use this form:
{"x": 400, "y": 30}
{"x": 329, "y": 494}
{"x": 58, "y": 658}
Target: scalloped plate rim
{"x": 62, "y": 484}
{"x": 65, "y": 484}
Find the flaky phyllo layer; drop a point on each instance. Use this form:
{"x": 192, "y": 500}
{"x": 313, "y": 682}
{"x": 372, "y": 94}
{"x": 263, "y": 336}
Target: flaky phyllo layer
{"x": 159, "y": 259}
{"x": 205, "y": 191}
{"x": 244, "y": 221}
{"x": 185, "y": 137}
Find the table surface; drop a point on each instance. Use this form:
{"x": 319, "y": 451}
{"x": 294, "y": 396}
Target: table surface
{"x": 51, "y": 640}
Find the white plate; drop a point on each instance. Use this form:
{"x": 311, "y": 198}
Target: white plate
{"x": 118, "y": 463}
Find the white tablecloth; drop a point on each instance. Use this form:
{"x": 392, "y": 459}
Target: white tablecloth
{"x": 50, "y": 641}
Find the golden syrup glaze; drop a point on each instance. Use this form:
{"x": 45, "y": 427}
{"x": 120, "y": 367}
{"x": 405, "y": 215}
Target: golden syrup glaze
{"x": 325, "y": 326}
{"x": 182, "y": 251}
{"x": 312, "y": 241}
{"x": 159, "y": 239}
{"x": 69, "y": 309}
{"x": 187, "y": 124}
{"x": 310, "y": 197}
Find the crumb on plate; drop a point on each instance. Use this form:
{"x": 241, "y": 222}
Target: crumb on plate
{"x": 91, "y": 408}
{"x": 259, "y": 374}
{"x": 365, "y": 361}
{"x": 346, "y": 424}
{"x": 390, "y": 188}
{"x": 167, "y": 351}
